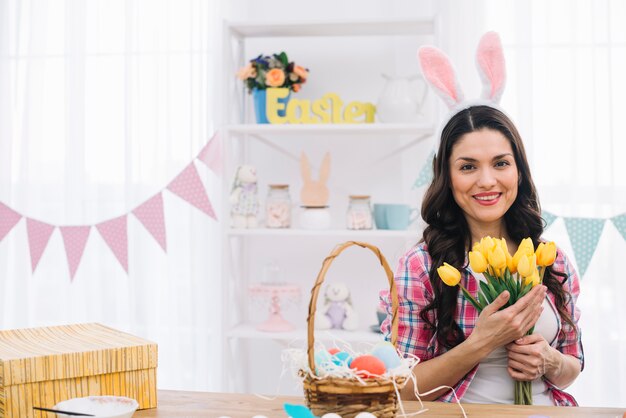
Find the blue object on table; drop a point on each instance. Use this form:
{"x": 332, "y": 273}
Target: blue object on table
{"x": 298, "y": 411}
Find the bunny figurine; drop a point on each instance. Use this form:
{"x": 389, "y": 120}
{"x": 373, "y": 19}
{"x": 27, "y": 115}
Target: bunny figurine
{"x": 337, "y": 311}
{"x": 244, "y": 198}
{"x": 314, "y": 192}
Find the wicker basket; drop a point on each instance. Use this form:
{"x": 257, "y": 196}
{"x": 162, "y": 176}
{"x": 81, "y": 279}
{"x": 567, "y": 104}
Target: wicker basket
{"x": 349, "y": 396}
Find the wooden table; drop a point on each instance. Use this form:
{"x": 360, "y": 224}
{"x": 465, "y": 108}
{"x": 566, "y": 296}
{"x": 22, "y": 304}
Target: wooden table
{"x": 174, "y": 404}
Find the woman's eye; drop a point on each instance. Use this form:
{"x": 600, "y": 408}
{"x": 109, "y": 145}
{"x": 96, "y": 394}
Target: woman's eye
{"x": 502, "y": 163}
{"x": 466, "y": 167}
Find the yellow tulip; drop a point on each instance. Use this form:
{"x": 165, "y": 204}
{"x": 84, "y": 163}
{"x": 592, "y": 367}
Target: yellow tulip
{"x": 487, "y": 244}
{"x": 477, "y": 261}
{"x": 527, "y": 265}
{"x": 526, "y": 246}
{"x": 497, "y": 259}
{"x": 546, "y": 254}
{"x": 450, "y": 275}
{"x": 533, "y": 278}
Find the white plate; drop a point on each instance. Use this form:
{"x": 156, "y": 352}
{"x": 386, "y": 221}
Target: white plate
{"x": 101, "y": 406}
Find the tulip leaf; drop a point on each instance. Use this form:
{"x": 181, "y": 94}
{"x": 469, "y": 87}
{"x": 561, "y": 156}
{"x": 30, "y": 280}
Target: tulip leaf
{"x": 494, "y": 294}
{"x": 473, "y": 301}
{"x": 485, "y": 289}
{"x": 482, "y": 299}
{"x": 526, "y": 289}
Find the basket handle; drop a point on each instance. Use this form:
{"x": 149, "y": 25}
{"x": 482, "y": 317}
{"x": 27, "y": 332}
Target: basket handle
{"x": 318, "y": 284}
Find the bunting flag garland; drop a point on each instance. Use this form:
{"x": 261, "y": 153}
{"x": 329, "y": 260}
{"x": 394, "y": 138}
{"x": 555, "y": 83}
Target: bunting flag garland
{"x": 38, "y": 236}
{"x": 620, "y": 224}
{"x": 115, "y": 235}
{"x": 548, "y": 217}
{"x": 187, "y": 185}
{"x": 584, "y": 235}
{"x": 150, "y": 214}
{"x": 8, "y": 219}
{"x": 74, "y": 239}
{"x": 211, "y": 154}
{"x": 426, "y": 174}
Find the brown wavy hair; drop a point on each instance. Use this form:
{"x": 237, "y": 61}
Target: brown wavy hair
{"x": 447, "y": 234}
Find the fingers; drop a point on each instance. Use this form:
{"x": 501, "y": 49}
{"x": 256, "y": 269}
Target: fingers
{"x": 499, "y": 302}
{"x": 535, "y": 296}
{"x": 522, "y": 370}
{"x": 529, "y": 339}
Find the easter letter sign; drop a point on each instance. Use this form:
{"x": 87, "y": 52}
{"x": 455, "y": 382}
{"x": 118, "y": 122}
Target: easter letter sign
{"x": 328, "y": 109}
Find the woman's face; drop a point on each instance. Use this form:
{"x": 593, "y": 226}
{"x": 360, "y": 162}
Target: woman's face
{"x": 484, "y": 177}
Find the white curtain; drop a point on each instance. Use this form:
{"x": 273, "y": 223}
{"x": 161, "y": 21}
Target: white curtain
{"x": 102, "y": 104}
{"x": 566, "y": 62}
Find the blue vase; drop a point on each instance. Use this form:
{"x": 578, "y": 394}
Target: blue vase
{"x": 260, "y": 105}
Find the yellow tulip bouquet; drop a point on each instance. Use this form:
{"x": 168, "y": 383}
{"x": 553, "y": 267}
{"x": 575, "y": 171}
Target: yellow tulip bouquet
{"x": 517, "y": 274}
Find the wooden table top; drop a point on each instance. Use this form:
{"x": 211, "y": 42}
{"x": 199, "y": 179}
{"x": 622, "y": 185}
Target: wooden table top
{"x": 174, "y": 404}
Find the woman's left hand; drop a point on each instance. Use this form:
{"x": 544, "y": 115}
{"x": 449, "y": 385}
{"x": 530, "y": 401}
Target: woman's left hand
{"x": 530, "y": 357}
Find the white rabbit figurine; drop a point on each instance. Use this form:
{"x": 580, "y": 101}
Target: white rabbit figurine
{"x": 244, "y": 198}
{"x": 337, "y": 311}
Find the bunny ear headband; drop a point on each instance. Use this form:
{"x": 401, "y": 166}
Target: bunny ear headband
{"x": 440, "y": 74}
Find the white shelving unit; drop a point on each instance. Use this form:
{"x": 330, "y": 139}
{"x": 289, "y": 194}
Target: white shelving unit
{"x": 364, "y": 158}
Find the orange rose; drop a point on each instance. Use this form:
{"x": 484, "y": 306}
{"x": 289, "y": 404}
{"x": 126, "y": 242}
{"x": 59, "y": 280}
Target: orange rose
{"x": 275, "y": 77}
{"x": 300, "y": 71}
{"x": 246, "y": 72}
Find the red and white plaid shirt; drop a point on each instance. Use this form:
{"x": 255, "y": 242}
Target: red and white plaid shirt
{"x": 415, "y": 292}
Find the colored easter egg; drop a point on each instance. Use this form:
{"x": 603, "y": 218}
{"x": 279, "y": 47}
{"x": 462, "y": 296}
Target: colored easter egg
{"x": 365, "y": 415}
{"x": 322, "y": 360}
{"x": 386, "y": 352}
{"x": 342, "y": 359}
{"x": 368, "y": 366}
{"x": 331, "y": 415}
{"x": 333, "y": 350}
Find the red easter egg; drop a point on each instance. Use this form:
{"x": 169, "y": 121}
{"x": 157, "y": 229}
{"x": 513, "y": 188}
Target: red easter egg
{"x": 333, "y": 351}
{"x": 368, "y": 366}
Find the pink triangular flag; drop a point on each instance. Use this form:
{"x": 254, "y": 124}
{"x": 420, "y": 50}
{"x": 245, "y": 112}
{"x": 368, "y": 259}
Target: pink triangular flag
{"x": 150, "y": 214}
{"x": 116, "y": 236}
{"x": 211, "y": 154}
{"x": 74, "y": 238}
{"x": 188, "y": 186}
{"x": 38, "y": 237}
{"x": 8, "y": 219}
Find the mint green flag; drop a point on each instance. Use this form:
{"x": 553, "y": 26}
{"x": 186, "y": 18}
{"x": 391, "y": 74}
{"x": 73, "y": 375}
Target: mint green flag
{"x": 548, "y": 217}
{"x": 426, "y": 174}
{"x": 620, "y": 223}
{"x": 584, "y": 234}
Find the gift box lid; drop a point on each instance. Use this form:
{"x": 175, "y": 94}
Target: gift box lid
{"x": 69, "y": 351}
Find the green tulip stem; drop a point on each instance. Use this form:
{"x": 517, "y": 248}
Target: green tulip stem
{"x": 542, "y": 270}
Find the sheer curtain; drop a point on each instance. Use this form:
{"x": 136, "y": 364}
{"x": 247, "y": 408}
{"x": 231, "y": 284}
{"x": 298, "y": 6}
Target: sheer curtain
{"x": 102, "y": 104}
{"x": 566, "y": 62}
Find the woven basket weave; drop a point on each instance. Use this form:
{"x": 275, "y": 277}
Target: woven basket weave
{"x": 349, "y": 396}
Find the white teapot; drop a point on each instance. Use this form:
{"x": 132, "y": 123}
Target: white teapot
{"x": 402, "y": 99}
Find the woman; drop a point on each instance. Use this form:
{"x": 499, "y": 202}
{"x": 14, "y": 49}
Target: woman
{"x": 482, "y": 186}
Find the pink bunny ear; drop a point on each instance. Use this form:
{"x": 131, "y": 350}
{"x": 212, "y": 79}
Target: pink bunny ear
{"x": 491, "y": 66}
{"x": 439, "y": 73}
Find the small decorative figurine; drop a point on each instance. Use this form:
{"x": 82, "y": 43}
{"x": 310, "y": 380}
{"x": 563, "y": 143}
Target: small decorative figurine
{"x": 244, "y": 199}
{"x": 337, "y": 311}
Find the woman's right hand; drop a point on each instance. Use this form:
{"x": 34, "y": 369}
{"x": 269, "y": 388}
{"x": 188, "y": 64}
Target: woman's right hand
{"x": 496, "y": 328}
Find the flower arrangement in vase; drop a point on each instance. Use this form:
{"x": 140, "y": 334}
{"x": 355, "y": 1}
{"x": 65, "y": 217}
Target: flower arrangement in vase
{"x": 271, "y": 71}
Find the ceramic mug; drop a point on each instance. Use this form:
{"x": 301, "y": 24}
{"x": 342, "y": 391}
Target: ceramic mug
{"x": 393, "y": 216}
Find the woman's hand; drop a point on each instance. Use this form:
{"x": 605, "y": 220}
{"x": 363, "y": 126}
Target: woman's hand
{"x": 496, "y": 328}
{"x": 531, "y": 357}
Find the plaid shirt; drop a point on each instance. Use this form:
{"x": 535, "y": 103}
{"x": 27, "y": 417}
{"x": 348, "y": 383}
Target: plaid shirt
{"x": 415, "y": 292}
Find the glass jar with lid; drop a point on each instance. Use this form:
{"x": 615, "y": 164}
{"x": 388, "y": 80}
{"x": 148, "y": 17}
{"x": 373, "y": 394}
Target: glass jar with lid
{"x": 278, "y": 206}
{"x": 359, "y": 214}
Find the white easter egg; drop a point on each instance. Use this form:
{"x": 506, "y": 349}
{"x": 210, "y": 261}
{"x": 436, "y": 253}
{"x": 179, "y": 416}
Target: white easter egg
{"x": 331, "y": 415}
{"x": 365, "y": 415}
{"x": 387, "y": 353}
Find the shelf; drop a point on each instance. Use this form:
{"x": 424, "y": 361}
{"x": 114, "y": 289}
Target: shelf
{"x": 337, "y": 129}
{"x": 353, "y": 234}
{"x": 330, "y": 28}
{"x": 248, "y": 331}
